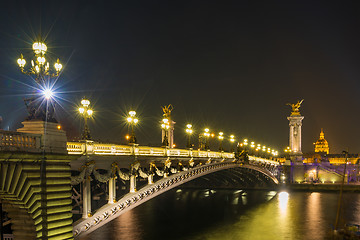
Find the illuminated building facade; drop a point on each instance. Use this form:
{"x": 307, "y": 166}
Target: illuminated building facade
{"x": 321, "y": 145}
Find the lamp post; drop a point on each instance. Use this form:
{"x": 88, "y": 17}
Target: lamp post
{"x": 132, "y": 120}
{"x": 252, "y": 146}
{"x": 207, "y": 135}
{"x": 258, "y": 149}
{"x": 221, "y": 138}
{"x": 165, "y": 127}
{"x": 86, "y": 113}
{"x": 245, "y": 144}
{"x": 40, "y": 71}
{"x": 263, "y": 151}
{"x": 232, "y": 140}
{"x": 189, "y": 131}
{"x": 287, "y": 152}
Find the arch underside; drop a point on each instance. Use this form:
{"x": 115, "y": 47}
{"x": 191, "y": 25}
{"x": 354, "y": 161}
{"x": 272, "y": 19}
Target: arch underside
{"x": 222, "y": 175}
{"x": 240, "y": 177}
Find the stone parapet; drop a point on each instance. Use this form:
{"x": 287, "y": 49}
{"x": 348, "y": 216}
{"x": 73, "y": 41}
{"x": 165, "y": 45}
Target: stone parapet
{"x": 53, "y": 139}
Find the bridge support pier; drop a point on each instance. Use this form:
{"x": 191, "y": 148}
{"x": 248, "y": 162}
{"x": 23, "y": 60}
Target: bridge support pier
{"x": 112, "y": 190}
{"x": 86, "y": 198}
{"x": 22, "y": 198}
{"x": 132, "y": 183}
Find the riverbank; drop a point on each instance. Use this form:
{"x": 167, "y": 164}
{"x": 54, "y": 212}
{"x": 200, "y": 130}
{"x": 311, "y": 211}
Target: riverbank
{"x": 321, "y": 187}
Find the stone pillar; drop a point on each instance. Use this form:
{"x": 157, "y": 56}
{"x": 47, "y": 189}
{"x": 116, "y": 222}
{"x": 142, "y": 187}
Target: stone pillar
{"x": 150, "y": 179}
{"x": 132, "y": 183}
{"x": 112, "y": 190}
{"x": 53, "y": 139}
{"x": 86, "y": 198}
{"x": 151, "y": 174}
{"x": 295, "y": 123}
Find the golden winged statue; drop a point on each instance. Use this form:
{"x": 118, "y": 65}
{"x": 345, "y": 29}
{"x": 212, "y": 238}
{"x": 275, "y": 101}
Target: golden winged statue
{"x": 295, "y": 107}
{"x": 167, "y": 110}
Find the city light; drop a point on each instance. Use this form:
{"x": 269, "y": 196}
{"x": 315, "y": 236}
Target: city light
{"x": 132, "y": 120}
{"x": 189, "y": 131}
{"x": 48, "y": 93}
{"x": 86, "y": 113}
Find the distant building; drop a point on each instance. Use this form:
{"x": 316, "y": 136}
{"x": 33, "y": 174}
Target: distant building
{"x": 322, "y": 155}
{"x": 321, "y": 145}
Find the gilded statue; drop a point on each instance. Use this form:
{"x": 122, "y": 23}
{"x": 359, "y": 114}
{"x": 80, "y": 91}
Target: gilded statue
{"x": 295, "y": 107}
{"x": 167, "y": 110}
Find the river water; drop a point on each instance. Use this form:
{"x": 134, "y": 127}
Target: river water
{"x": 232, "y": 214}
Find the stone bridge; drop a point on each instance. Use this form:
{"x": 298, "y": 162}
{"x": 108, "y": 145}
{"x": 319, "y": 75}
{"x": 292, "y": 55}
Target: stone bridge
{"x": 40, "y": 189}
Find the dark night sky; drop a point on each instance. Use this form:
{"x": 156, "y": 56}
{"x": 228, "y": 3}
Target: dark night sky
{"x": 229, "y": 66}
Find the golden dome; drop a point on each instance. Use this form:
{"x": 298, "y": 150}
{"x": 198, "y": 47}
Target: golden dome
{"x": 322, "y": 145}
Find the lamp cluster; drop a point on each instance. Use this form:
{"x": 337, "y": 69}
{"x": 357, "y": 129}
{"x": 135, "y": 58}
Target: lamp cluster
{"x": 86, "y": 112}
{"x": 132, "y": 120}
{"x": 39, "y": 65}
{"x": 41, "y": 73}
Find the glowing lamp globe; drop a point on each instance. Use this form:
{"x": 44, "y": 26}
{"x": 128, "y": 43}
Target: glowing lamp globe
{"x": 48, "y": 93}
{"x": 58, "y": 66}
{"x": 132, "y": 113}
{"x": 85, "y": 102}
{"x": 39, "y": 47}
{"x": 21, "y": 61}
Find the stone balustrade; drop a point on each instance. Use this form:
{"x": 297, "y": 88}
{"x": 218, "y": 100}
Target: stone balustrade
{"x": 91, "y": 147}
{"x": 17, "y": 141}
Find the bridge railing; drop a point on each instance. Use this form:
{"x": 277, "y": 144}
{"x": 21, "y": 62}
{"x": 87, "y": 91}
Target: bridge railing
{"x": 90, "y": 147}
{"x": 263, "y": 160}
{"x": 17, "y": 141}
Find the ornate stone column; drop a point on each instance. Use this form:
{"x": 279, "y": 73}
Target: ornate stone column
{"x": 295, "y": 123}
{"x": 112, "y": 189}
{"x": 86, "y": 197}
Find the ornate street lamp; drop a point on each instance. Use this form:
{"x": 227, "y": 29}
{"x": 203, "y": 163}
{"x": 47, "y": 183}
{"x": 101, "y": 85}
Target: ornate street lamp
{"x": 165, "y": 127}
{"x": 41, "y": 73}
{"x": 132, "y": 120}
{"x": 221, "y": 138}
{"x": 232, "y": 140}
{"x": 258, "y": 149}
{"x": 207, "y": 136}
{"x": 263, "y": 151}
{"x": 287, "y": 152}
{"x": 189, "y": 131}
{"x": 86, "y": 113}
{"x": 245, "y": 143}
{"x": 252, "y": 146}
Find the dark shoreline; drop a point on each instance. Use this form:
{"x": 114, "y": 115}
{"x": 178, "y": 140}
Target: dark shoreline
{"x": 321, "y": 187}
{"x": 305, "y": 187}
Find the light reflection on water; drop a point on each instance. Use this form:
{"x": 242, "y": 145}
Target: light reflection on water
{"x": 225, "y": 214}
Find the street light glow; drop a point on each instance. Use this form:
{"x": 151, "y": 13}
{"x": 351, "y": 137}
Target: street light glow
{"x": 48, "y": 93}
{"x": 39, "y": 47}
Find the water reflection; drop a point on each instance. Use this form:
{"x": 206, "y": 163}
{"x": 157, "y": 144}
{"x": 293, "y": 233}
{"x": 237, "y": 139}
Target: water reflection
{"x": 283, "y": 203}
{"x": 227, "y": 215}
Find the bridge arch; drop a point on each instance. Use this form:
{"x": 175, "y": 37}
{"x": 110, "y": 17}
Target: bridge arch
{"x": 131, "y": 200}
